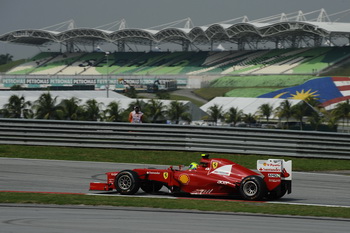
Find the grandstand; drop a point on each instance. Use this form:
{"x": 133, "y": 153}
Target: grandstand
{"x": 288, "y": 45}
{"x": 275, "y": 61}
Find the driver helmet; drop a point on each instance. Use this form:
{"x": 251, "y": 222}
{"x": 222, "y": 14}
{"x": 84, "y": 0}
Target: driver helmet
{"x": 193, "y": 166}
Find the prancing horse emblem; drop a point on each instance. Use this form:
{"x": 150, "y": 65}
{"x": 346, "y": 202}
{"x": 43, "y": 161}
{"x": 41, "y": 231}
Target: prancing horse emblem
{"x": 215, "y": 165}
{"x": 165, "y": 175}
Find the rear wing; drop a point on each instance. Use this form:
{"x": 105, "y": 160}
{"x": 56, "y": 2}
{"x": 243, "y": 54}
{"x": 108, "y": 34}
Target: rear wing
{"x": 276, "y": 166}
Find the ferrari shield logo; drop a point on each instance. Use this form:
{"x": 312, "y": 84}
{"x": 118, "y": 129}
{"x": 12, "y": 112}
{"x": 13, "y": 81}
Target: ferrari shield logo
{"x": 215, "y": 165}
{"x": 165, "y": 175}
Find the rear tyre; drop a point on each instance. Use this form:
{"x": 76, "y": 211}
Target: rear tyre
{"x": 277, "y": 194}
{"x": 253, "y": 188}
{"x": 127, "y": 182}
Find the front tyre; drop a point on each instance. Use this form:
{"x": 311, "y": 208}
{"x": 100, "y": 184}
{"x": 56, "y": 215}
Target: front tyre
{"x": 253, "y": 188}
{"x": 127, "y": 182}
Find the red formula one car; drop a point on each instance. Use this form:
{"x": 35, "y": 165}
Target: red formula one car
{"x": 214, "y": 177}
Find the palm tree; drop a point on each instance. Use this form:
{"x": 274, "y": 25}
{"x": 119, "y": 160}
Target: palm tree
{"x": 16, "y": 107}
{"x": 314, "y": 102}
{"x": 332, "y": 119}
{"x": 342, "y": 110}
{"x": 71, "y": 108}
{"x": 316, "y": 119}
{"x": 299, "y": 111}
{"x": 92, "y": 110}
{"x": 113, "y": 113}
{"x": 266, "y": 111}
{"x": 215, "y": 112}
{"x": 156, "y": 109}
{"x": 285, "y": 110}
{"x": 186, "y": 116}
{"x": 234, "y": 115}
{"x": 46, "y": 107}
{"x": 249, "y": 119}
{"x": 5, "y": 58}
{"x": 140, "y": 103}
{"x": 176, "y": 110}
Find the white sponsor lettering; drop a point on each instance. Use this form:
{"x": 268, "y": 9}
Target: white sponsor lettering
{"x": 153, "y": 173}
{"x": 14, "y": 81}
{"x": 37, "y": 81}
{"x": 223, "y": 182}
{"x": 61, "y": 81}
{"x": 202, "y": 191}
{"x": 84, "y": 81}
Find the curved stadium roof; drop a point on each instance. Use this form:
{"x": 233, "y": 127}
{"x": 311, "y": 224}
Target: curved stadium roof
{"x": 273, "y": 28}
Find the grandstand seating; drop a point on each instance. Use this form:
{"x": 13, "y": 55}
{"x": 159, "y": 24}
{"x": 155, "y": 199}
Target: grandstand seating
{"x": 281, "y": 63}
{"x": 219, "y": 63}
{"x": 58, "y": 64}
{"x": 258, "y": 62}
{"x": 321, "y": 58}
{"x": 30, "y": 65}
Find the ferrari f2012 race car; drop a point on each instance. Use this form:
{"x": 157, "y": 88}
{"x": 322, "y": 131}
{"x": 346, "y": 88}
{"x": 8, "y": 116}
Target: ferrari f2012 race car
{"x": 212, "y": 177}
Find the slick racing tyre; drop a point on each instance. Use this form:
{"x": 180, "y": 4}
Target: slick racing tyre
{"x": 127, "y": 182}
{"x": 253, "y": 188}
{"x": 278, "y": 193}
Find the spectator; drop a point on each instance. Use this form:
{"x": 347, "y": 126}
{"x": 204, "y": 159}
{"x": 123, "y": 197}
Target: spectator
{"x": 136, "y": 116}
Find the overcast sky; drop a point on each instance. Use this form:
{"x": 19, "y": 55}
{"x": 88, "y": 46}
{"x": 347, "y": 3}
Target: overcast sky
{"x": 37, "y": 14}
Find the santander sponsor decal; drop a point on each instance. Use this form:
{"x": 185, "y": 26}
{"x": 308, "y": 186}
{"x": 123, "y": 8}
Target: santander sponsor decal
{"x": 275, "y": 166}
{"x": 270, "y": 167}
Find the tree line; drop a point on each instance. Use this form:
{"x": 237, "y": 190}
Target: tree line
{"x": 308, "y": 112}
{"x": 48, "y": 107}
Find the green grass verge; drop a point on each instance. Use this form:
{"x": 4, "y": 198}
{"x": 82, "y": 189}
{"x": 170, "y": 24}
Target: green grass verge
{"x": 212, "y": 92}
{"x": 249, "y": 86}
{"x": 261, "y": 81}
{"x": 156, "y": 157}
{"x": 184, "y": 204}
{"x": 250, "y": 92}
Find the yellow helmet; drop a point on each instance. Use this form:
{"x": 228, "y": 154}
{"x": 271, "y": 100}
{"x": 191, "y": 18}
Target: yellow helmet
{"x": 193, "y": 166}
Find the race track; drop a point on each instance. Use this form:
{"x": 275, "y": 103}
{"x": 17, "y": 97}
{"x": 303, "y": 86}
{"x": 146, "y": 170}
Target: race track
{"x": 85, "y": 219}
{"x": 74, "y": 177}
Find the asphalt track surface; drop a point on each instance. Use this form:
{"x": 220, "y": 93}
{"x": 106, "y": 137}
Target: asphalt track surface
{"x": 74, "y": 177}
{"x": 75, "y": 219}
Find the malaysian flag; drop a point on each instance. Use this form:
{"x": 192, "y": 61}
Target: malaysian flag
{"x": 343, "y": 85}
{"x": 328, "y": 90}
